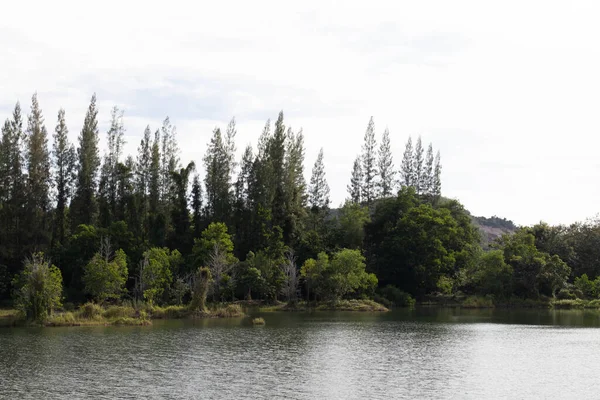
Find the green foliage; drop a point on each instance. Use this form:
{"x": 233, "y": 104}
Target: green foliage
{"x": 90, "y": 311}
{"x": 589, "y": 288}
{"x": 492, "y": 276}
{"x": 341, "y": 276}
{"x": 104, "y": 276}
{"x": 38, "y": 289}
{"x": 156, "y": 275}
{"x": 258, "y": 321}
{"x": 478, "y": 302}
{"x": 397, "y": 297}
{"x": 350, "y": 225}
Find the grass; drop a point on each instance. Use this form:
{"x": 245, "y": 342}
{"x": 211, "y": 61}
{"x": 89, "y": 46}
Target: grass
{"x": 258, "y": 321}
{"x": 170, "y": 312}
{"x": 351, "y": 305}
{"x": 228, "y": 311}
{"x": 575, "y": 304}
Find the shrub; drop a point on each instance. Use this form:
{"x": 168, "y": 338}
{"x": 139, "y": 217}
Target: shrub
{"x": 230, "y": 311}
{"x": 90, "y": 311}
{"x": 258, "y": 321}
{"x": 566, "y": 304}
{"x": 63, "y": 319}
{"x": 118, "y": 312}
{"x": 478, "y": 302}
{"x": 170, "y": 312}
{"x": 565, "y": 294}
{"x": 38, "y": 288}
{"x": 397, "y": 297}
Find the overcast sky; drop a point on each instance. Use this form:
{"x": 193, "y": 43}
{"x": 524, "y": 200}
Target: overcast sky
{"x": 509, "y": 92}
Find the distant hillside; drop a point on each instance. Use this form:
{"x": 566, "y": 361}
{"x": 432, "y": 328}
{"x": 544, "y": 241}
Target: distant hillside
{"x": 493, "y": 227}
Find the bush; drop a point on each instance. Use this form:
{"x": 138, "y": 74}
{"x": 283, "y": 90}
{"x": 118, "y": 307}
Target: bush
{"x": 119, "y": 312}
{"x": 565, "y": 294}
{"x": 567, "y": 304}
{"x": 258, "y": 321}
{"x": 63, "y": 319}
{"x": 478, "y": 302}
{"x": 397, "y": 297}
{"x": 170, "y": 312}
{"x": 230, "y": 311}
{"x": 90, "y": 311}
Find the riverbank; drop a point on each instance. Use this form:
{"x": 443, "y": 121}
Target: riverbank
{"x": 91, "y": 314}
{"x": 481, "y": 302}
{"x": 342, "y": 305}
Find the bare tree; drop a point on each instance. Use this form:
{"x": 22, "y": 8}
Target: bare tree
{"x": 290, "y": 271}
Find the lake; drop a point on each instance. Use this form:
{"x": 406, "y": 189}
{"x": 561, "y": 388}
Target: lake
{"x": 424, "y": 353}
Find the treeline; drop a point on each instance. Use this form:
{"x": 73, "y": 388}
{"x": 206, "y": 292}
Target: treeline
{"x": 146, "y": 227}
{"x": 115, "y": 224}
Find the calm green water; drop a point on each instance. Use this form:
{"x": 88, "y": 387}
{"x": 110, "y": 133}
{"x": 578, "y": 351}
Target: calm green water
{"x": 426, "y": 353}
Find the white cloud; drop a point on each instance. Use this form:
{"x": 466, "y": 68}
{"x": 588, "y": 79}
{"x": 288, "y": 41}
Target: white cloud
{"x": 506, "y": 91}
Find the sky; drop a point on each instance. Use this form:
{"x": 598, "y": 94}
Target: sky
{"x": 508, "y": 92}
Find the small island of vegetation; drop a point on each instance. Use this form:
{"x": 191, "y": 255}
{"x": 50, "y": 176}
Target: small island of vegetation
{"x": 90, "y": 240}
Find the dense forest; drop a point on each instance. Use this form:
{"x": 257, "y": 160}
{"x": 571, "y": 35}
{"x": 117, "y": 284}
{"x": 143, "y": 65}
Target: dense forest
{"x": 76, "y": 225}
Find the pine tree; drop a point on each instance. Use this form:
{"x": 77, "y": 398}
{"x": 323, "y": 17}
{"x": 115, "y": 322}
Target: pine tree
{"x": 418, "y": 176}
{"x": 157, "y": 221}
{"x": 13, "y": 183}
{"x": 217, "y": 163}
{"x": 142, "y": 170}
{"x": 65, "y": 164}
{"x": 84, "y": 205}
{"x": 436, "y": 190}
{"x": 181, "y": 235}
{"x": 197, "y": 206}
{"x": 369, "y": 164}
{"x": 242, "y": 210}
{"x": 319, "y": 189}
{"x": 39, "y": 179}
{"x": 354, "y": 189}
{"x": 427, "y": 187}
{"x": 169, "y": 160}
{"x": 276, "y": 176}
{"x": 386, "y": 166}
{"x": 406, "y": 169}
{"x": 295, "y": 186}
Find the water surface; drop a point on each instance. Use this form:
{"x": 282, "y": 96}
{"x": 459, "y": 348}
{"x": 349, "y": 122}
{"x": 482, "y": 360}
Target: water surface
{"x": 423, "y": 353}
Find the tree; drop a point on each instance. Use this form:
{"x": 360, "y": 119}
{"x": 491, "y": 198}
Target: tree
{"x": 38, "y": 288}
{"x": 369, "y": 164}
{"x": 157, "y": 220}
{"x": 197, "y": 206}
{"x": 427, "y": 185}
{"x": 105, "y": 275}
{"x": 215, "y": 235}
{"x": 181, "y": 237}
{"x": 65, "y": 159}
{"x": 38, "y": 182}
{"x": 84, "y": 204}
{"x": 417, "y": 167}
{"x": 339, "y": 277}
{"x": 407, "y": 166}
{"x": 155, "y": 272}
{"x": 386, "y": 166}
{"x": 218, "y": 163}
{"x": 290, "y": 273}
{"x": 350, "y": 225}
{"x": 202, "y": 281}
{"x": 355, "y": 187}
{"x": 436, "y": 186}
{"x": 319, "y": 189}
{"x": 13, "y": 190}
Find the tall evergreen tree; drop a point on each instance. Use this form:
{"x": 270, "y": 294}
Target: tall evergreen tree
{"x": 169, "y": 160}
{"x": 369, "y": 164}
{"x": 386, "y": 166}
{"x": 142, "y": 171}
{"x": 319, "y": 188}
{"x": 355, "y": 187}
{"x": 13, "y": 183}
{"x": 277, "y": 174}
{"x": 427, "y": 186}
{"x": 65, "y": 165}
{"x": 242, "y": 211}
{"x": 197, "y": 206}
{"x": 436, "y": 189}
{"x": 295, "y": 186}
{"x": 156, "y": 217}
{"x": 38, "y": 183}
{"x": 181, "y": 236}
{"x": 217, "y": 163}
{"x": 418, "y": 176}
{"x": 407, "y": 169}
{"x": 84, "y": 205}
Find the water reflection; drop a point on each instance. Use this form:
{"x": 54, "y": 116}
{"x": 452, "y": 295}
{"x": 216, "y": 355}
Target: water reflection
{"x": 421, "y": 353}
